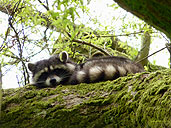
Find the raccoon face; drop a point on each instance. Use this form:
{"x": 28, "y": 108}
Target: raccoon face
{"x": 53, "y": 71}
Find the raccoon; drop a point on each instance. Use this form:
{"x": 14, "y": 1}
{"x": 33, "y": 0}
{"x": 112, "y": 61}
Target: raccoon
{"x": 59, "y": 69}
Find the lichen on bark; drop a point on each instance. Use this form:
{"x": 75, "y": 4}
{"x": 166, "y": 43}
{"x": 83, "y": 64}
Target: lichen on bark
{"x": 140, "y": 100}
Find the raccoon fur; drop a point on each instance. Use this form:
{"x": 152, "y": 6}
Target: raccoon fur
{"x": 59, "y": 69}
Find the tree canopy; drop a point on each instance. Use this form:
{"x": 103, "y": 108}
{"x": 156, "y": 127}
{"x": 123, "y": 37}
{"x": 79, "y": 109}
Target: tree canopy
{"x": 36, "y": 28}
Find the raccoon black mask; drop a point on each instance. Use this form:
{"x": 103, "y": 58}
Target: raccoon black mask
{"x": 59, "y": 69}
{"x": 53, "y": 71}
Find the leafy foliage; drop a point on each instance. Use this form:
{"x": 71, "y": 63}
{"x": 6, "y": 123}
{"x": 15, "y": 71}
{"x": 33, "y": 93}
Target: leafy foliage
{"x": 39, "y": 28}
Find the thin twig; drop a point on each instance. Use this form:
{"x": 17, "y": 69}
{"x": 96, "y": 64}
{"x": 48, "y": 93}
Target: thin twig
{"x": 128, "y": 34}
{"x": 46, "y": 7}
{"x": 47, "y": 3}
{"x": 168, "y": 46}
{"x": 151, "y": 54}
{"x": 165, "y": 38}
{"x": 18, "y": 81}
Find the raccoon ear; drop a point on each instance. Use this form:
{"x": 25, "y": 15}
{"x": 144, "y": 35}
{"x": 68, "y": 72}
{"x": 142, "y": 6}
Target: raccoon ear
{"x": 31, "y": 66}
{"x": 63, "y": 56}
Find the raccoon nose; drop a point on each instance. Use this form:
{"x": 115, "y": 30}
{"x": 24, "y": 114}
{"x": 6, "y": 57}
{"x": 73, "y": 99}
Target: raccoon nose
{"x": 53, "y": 81}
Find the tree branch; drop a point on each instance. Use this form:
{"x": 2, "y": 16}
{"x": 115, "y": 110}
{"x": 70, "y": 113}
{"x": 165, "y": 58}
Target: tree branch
{"x": 46, "y": 7}
{"x": 20, "y": 44}
{"x": 89, "y": 44}
{"x": 92, "y": 45}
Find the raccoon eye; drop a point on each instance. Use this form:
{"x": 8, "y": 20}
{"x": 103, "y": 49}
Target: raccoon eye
{"x": 60, "y": 71}
{"x": 43, "y": 76}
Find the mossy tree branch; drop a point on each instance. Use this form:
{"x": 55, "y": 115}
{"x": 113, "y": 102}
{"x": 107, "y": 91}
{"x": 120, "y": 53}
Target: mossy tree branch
{"x": 141, "y": 100}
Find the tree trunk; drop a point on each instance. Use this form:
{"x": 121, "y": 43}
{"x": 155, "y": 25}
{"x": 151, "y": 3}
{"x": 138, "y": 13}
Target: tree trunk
{"x": 154, "y": 12}
{"x": 145, "y": 48}
{"x": 140, "y": 100}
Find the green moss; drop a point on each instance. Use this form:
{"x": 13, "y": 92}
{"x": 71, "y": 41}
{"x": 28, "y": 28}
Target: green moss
{"x": 141, "y": 100}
